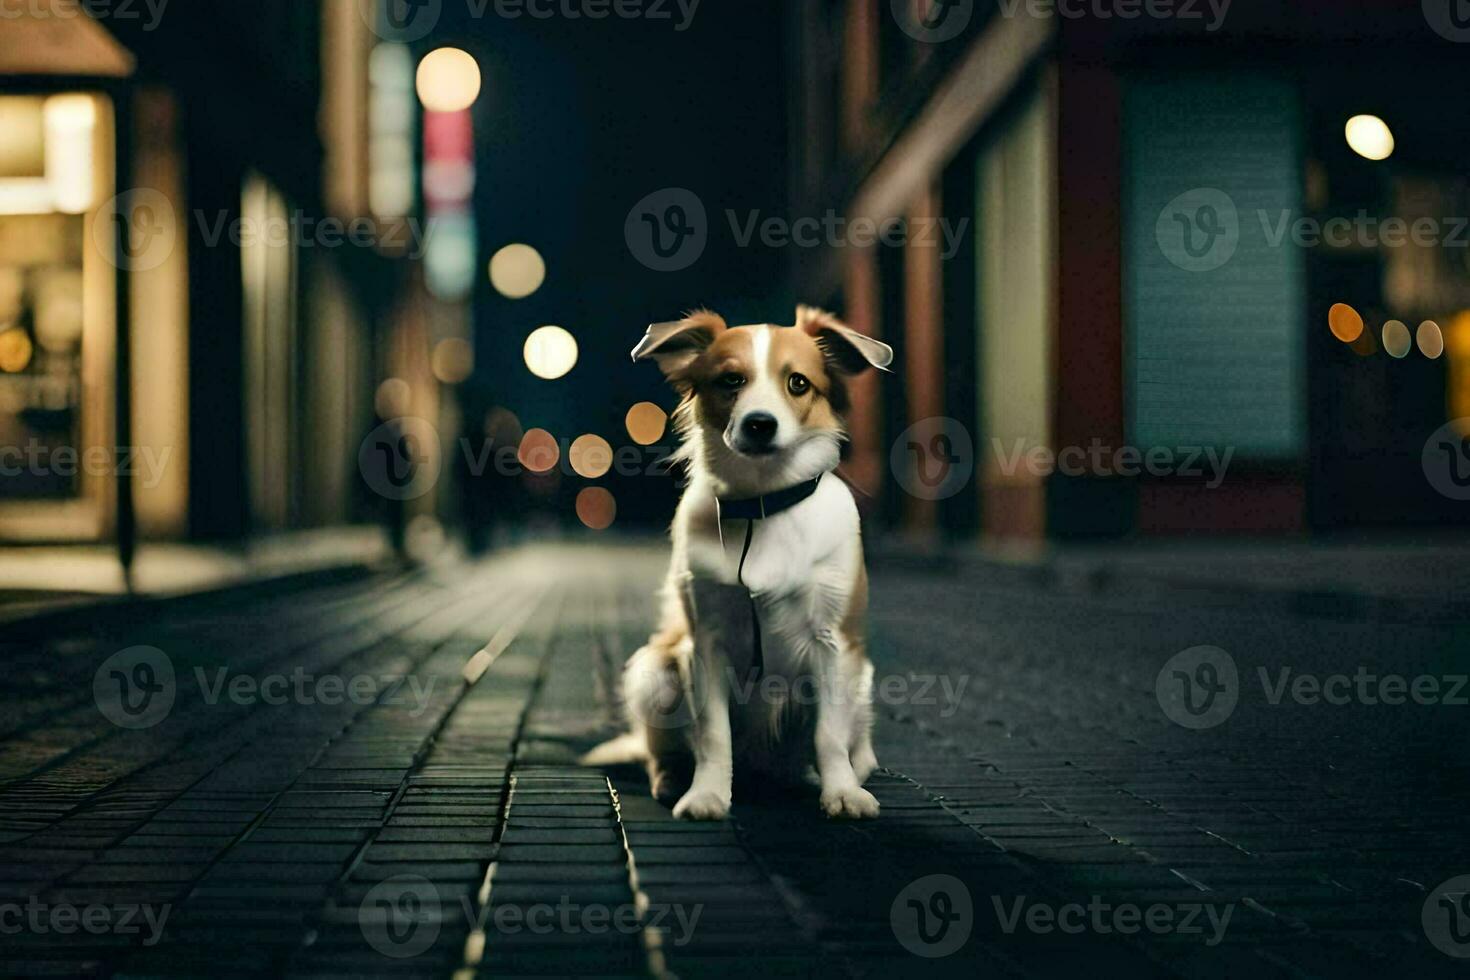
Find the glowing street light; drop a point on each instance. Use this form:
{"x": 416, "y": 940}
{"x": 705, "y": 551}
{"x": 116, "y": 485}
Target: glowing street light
{"x": 550, "y": 352}
{"x": 1369, "y": 137}
{"x": 448, "y": 80}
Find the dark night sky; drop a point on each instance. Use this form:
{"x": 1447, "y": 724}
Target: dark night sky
{"x": 577, "y": 121}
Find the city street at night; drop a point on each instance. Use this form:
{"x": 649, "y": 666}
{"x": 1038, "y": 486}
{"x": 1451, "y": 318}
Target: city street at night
{"x": 1025, "y": 734}
{"x": 734, "y": 488}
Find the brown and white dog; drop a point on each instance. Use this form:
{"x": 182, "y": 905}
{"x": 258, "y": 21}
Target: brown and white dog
{"x": 760, "y": 659}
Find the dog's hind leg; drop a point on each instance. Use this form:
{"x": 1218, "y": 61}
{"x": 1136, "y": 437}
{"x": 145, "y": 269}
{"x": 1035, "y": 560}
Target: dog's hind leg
{"x": 657, "y": 705}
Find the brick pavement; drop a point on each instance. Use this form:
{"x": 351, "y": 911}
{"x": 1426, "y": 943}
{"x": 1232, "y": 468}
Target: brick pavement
{"x": 438, "y": 826}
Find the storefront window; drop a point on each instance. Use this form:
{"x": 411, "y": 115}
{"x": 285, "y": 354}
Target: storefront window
{"x": 55, "y": 293}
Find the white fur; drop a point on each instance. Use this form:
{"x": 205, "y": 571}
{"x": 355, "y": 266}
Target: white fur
{"x": 801, "y": 567}
{"x": 688, "y": 693}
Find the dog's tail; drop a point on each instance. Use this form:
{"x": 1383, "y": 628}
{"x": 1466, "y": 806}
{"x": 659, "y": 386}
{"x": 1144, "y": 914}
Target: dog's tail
{"x": 621, "y": 751}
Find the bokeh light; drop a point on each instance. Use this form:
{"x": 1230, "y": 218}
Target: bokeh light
{"x": 596, "y": 508}
{"x": 517, "y": 271}
{"x": 550, "y": 352}
{"x": 1369, "y": 137}
{"x": 448, "y": 80}
{"x": 453, "y": 360}
{"x": 15, "y": 351}
{"x": 1345, "y": 322}
{"x": 539, "y": 452}
{"x": 646, "y": 423}
{"x": 1430, "y": 339}
{"x": 502, "y": 427}
{"x": 590, "y": 456}
{"x": 1396, "y": 338}
{"x": 392, "y": 398}
{"x": 70, "y": 120}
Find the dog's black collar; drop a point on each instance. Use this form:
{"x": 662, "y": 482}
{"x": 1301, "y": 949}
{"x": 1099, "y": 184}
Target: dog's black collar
{"x": 767, "y": 504}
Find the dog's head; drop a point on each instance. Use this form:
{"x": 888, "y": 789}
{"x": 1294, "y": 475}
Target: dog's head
{"x": 767, "y": 394}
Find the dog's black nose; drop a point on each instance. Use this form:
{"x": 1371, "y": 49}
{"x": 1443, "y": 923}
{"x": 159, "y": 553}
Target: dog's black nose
{"x": 758, "y": 428}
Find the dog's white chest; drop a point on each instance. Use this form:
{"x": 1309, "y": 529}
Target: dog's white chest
{"x": 799, "y": 566}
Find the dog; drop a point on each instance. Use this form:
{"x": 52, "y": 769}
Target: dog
{"x": 760, "y": 658}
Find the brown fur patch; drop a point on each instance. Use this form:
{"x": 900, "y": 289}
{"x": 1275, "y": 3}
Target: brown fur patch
{"x": 795, "y": 351}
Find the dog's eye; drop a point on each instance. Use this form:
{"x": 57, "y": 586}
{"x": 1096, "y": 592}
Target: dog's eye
{"x": 730, "y": 381}
{"x": 798, "y": 384}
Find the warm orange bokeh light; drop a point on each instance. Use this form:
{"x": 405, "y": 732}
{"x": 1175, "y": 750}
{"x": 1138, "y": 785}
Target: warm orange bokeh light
{"x": 453, "y": 360}
{"x": 539, "y": 452}
{"x": 590, "y": 456}
{"x": 15, "y": 351}
{"x": 1346, "y": 322}
{"x": 596, "y": 508}
{"x": 646, "y": 423}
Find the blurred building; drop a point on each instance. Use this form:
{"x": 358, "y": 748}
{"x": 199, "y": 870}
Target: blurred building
{"x": 1144, "y": 257}
{"x": 205, "y": 275}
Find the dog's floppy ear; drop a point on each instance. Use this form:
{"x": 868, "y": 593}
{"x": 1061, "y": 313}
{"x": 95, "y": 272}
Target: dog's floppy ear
{"x": 676, "y": 345}
{"x": 847, "y": 350}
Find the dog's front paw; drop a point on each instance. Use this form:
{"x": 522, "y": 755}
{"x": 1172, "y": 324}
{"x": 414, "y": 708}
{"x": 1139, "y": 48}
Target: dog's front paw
{"x": 702, "y": 804}
{"x": 849, "y": 803}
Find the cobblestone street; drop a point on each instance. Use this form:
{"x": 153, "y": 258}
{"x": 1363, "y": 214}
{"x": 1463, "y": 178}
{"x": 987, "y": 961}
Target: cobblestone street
{"x": 367, "y": 774}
